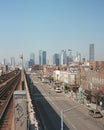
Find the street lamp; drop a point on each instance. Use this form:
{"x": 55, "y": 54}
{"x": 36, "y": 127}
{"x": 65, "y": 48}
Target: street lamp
{"x": 66, "y": 110}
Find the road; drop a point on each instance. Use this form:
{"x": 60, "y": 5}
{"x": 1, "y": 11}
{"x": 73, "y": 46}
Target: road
{"x": 50, "y": 105}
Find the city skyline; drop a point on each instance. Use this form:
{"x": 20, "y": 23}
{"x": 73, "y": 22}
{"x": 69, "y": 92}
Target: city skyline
{"x": 42, "y": 58}
{"x": 30, "y": 26}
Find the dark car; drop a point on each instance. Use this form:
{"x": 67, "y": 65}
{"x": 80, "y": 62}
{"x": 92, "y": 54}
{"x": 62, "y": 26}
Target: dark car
{"x": 95, "y": 113}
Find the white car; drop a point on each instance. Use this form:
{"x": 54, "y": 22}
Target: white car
{"x": 88, "y": 104}
{"x": 58, "y": 90}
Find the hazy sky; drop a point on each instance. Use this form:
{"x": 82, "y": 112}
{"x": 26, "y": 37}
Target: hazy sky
{"x": 30, "y": 25}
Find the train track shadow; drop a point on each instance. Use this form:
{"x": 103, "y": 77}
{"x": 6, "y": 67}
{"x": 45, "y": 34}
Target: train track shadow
{"x": 45, "y": 114}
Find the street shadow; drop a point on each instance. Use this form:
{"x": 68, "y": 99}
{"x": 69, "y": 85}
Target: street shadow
{"x": 47, "y": 117}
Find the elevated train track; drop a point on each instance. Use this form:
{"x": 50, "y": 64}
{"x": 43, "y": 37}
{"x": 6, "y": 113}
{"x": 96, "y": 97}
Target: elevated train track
{"x": 6, "y": 93}
{"x": 7, "y": 76}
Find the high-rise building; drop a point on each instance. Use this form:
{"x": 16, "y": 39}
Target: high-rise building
{"x": 32, "y": 57}
{"x": 12, "y": 61}
{"x": 91, "y": 52}
{"x": 4, "y": 61}
{"x": 77, "y": 57}
{"x": 56, "y": 59}
{"x": 69, "y": 56}
{"x": 42, "y": 57}
{"x": 63, "y": 57}
{"x": 32, "y": 60}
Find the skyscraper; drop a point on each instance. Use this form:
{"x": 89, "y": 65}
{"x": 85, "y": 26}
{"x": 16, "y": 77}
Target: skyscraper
{"x": 91, "y": 52}
{"x": 56, "y": 59}
{"x": 63, "y": 57}
{"x": 32, "y": 60}
{"x": 12, "y": 61}
{"x": 78, "y": 57}
{"x": 32, "y": 57}
{"x": 69, "y": 56}
{"x": 42, "y": 57}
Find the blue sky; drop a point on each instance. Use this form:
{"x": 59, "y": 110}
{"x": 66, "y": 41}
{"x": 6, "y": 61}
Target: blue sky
{"x": 30, "y": 25}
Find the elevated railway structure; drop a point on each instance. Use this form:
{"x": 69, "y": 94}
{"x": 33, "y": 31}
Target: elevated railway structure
{"x": 7, "y": 76}
{"x": 8, "y": 84}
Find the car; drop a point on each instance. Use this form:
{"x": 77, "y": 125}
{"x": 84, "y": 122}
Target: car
{"x": 88, "y": 104}
{"x": 58, "y": 90}
{"x": 95, "y": 113}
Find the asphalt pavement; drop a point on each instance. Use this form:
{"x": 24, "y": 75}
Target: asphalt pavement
{"x": 50, "y": 104}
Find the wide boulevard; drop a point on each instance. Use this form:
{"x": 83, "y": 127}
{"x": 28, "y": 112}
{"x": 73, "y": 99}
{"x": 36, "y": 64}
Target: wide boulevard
{"x": 50, "y": 104}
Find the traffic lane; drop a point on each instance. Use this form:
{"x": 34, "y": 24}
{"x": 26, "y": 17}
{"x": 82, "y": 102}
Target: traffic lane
{"x": 81, "y": 121}
{"x": 53, "y": 100}
{"x": 89, "y": 123}
{"x": 49, "y": 117}
{"x": 41, "y": 103}
{"x": 82, "y": 111}
{"x": 53, "y": 118}
{"x": 42, "y": 88}
{"x": 66, "y": 102}
{"x": 47, "y": 124}
{"x": 78, "y": 118}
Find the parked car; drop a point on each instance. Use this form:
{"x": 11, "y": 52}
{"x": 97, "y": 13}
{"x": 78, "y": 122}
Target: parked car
{"x": 95, "y": 113}
{"x": 88, "y": 104}
{"x": 58, "y": 90}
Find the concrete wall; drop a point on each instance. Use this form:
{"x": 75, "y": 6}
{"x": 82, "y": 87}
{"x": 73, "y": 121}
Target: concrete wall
{"x": 33, "y": 124}
{"x": 20, "y": 110}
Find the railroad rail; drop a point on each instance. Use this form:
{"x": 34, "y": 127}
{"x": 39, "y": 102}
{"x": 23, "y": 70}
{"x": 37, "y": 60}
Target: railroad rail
{"x": 7, "y": 76}
{"x": 6, "y": 93}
